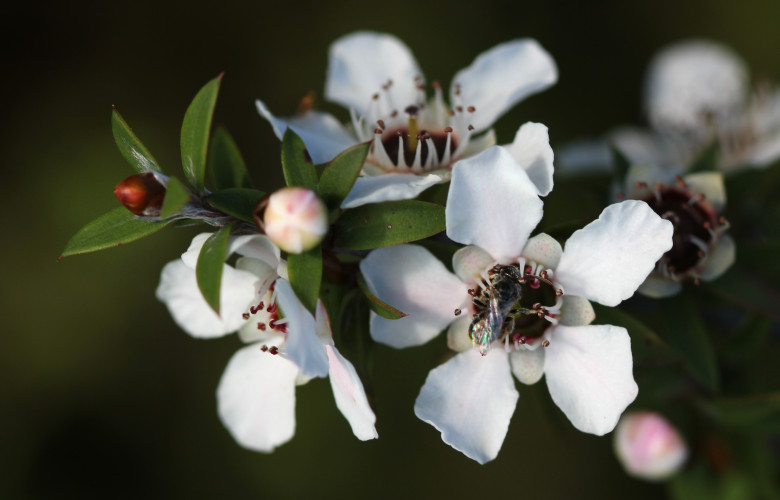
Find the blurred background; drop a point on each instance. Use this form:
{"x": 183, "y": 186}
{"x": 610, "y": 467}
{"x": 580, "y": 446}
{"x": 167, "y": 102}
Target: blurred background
{"x": 103, "y": 396}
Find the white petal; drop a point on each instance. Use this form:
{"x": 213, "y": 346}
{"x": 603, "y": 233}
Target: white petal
{"x": 492, "y": 204}
{"x": 719, "y": 260}
{"x": 179, "y": 290}
{"x": 350, "y": 396}
{"x": 458, "y": 334}
{"x": 322, "y": 134}
{"x": 256, "y": 246}
{"x": 502, "y": 76}
{"x": 387, "y": 187}
{"x": 470, "y": 400}
{"x": 190, "y": 257}
{"x": 528, "y": 366}
{"x": 543, "y": 249}
{"x": 641, "y": 146}
{"x": 658, "y": 287}
{"x": 692, "y": 79}
{"x": 256, "y": 399}
{"x": 589, "y": 374}
{"x": 411, "y": 279}
{"x": 361, "y": 63}
{"x": 710, "y": 184}
{"x": 470, "y": 262}
{"x": 324, "y": 332}
{"x": 766, "y": 151}
{"x": 576, "y": 311}
{"x": 531, "y": 148}
{"x": 302, "y": 346}
{"x": 608, "y": 259}
{"x": 479, "y": 143}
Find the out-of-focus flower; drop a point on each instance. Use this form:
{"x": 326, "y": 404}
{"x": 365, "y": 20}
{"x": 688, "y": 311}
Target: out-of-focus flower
{"x": 524, "y": 303}
{"x": 692, "y": 203}
{"x": 256, "y": 396}
{"x": 142, "y": 194}
{"x": 415, "y": 140}
{"x": 295, "y": 219}
{"x": 648, "y": 446}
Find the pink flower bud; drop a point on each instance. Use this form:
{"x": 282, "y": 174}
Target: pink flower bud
{"x": 295, "y": 219}
{"x": 142, "y": 194}
{"x": 648, "y": 446}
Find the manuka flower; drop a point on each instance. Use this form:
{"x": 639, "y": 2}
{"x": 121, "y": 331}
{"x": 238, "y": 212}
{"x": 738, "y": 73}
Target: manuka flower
{"x": 692, "y": 203}
{"x": 696, "y": 93}
{"x": 256, "y": 396}
{"x": 524, "y": 304}
{"x": 415, "y": 140}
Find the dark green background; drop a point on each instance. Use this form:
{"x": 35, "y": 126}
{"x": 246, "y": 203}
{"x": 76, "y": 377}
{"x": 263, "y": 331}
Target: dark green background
{"x": 103, "y": 396}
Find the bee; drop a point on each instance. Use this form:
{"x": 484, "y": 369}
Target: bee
{"x": 494, "y": 304}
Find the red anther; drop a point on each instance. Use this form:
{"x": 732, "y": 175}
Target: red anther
{"x": 471, "y": 292}
{"x": 543, "y": 274}
{"x": 253, "y": 310}
{"x": 527, "y": 270}
{"x": 436, "y": 84}
{"x": 261, "y": 326}
{"x": 378, "y": 131}
{"x": 448, "y": 130}
{"x": 412, "y": 110}
{"x": 534, "y": 283}
{"x": 273, "y": 285}
{"x": 381, "y": 124}
{"x": 394, "y": 113}
{"x": 545, "y": 343}
{"x": 451, "y": 112}
{"x": 275, "y": 350}
{"x": 264, "y": 348}
{"x": 640, "y": 185}
{"x": 516, "y": 338}
{"x": 522, "y": 339}
{"x": 457, "y": 89}
{"x": 471, "y": 109}
{"x": 457, "y": 312}
{"x": 659, "y": 186}
{"x": 536, "y": 306}
{"x": 245, "y": 315}
{"x": 722, "y": 220}
{"x": 459, "y": 109}
{"x": 260, "y": 306}
{"x": 620, "y": 196}
{"x": 142, "y": 194}
{"x": 420, "y": 86}
{"x": 375, "y": 97}
{"x": 558, "y": 292}
{"x": 706, "y": 224}
{"x": 271, "y": 308}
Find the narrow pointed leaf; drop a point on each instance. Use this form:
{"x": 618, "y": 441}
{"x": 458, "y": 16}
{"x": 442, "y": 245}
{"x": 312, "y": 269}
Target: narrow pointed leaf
{"x": 760, "y": 411}
{"x": 117, "y": 227}
{"x": 130, "y": 146}
{"x": 297, "y": 166}
{"x": 378, "y": 306}
{"x": 339, "y": 176}
{"x": 208, "y": 270}
{"x": 305, "y": 272}
{"x": 747, "y": 289}
{"x": 195, "y": 133}
{"x": 390, "y": 223}
{"x": 238, "y": 202}
{"x": 225, "y": 162}
{"x": 176, "y": 196}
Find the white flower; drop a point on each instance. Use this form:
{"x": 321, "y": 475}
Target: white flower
{"x": 692, "y": 203}
{"x": 416, "y": 141}
{"x": 648, "y": 446}
{"x": 493, "y": 206}
{"x": 696, "y": 92}
{"x": 256, "y": 396}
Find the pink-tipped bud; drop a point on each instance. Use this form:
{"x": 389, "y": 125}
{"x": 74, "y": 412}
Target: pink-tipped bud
{"x": 648, "y": 446}
{"x": 295, "y": 219}
{"x": 142, "y": 194}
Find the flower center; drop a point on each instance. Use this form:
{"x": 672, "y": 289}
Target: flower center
{"x": 266, "y": 313}
{"x": 516, "y": 303}
{"x": 417, "y": 137}
{"x": 695, "y": 227}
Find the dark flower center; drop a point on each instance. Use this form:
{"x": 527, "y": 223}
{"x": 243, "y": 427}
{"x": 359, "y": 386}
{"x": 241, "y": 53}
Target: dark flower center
{"x": 400, "y": 137}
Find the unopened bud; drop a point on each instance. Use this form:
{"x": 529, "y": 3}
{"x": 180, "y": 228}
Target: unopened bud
{"x": 295, "y": 219}
{"x": 648, "y": 446}
{"x": 142, "y": 194}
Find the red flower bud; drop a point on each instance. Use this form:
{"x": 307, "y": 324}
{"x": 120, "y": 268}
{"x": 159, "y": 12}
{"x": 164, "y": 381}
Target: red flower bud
{"x": 142, "y": 194}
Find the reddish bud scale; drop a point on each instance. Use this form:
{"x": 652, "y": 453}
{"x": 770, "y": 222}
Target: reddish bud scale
{"x": 142, "y": 194}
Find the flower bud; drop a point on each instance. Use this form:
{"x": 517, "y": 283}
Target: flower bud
{"x": 142, "y": 194}
{"x": 295, "y": 219}
{"x": 648, "y": 446}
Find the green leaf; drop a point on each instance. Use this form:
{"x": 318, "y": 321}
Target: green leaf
{"x": 238, "y": 202}
{"x": 226, "y": 163}
{"x": 340, "y": 174}
{"x": 298, "y": 168}
{"x": 117, "y": 227}
{"x": 208, "y": 270}
{"x": 687, "y": 335}
{"x": 646, "y": 346}
{"x": 762, "y": 411}
{"x": 707, "y": 161}
{"x": 130, "y": 146}
{"x": 176, "y": 196}
{"x": 305, "y": 272}
{"x": 195, "y": 133}
{"x": 381, "y": 308}
{"x": 747, "y": 289}
{"x": 385, "y": 224}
